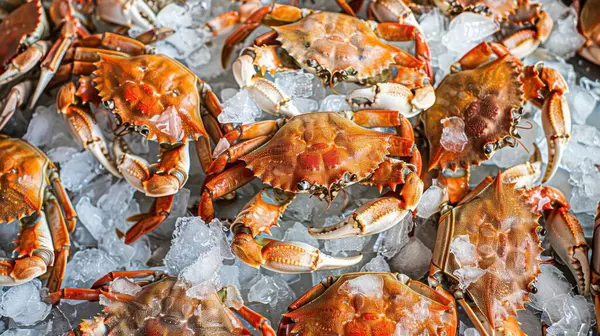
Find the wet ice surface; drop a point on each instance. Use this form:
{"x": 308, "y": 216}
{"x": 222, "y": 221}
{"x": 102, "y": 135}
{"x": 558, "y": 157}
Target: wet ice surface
{"x": 186, "y": 247}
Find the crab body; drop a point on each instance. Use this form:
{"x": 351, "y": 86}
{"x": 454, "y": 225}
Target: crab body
{"x": 152, "y": 95}
{"x": 388, "y": 303}
{"x": 485, "y": 96}
{"x": 318, "y": 153}
{"x": 337, "y": 48}
{"x": 31, "y": 193}
{"x": 489, "y": 250}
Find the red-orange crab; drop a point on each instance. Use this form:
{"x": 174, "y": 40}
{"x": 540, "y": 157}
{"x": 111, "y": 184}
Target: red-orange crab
{"x": 487, "y": 96}
{"x": 318, "y": 153}
{"x": 371, "y": 304}
{"x": 152, "y": 95}
{"x": 31, "y": 192}
{"x": 162, "y": 307}
{"x": 589, "y": 25}
{"x": 337, "y": 48}
{"x": 22, "y": 33}
{"x": 488, "y": 248}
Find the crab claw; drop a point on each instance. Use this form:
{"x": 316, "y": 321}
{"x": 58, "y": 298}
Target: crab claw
{"x": 377, "y": 215}
{"x": 285, "y": 257}
{"x": 393, "y": 96}
{"x": 20, "y": 271}
{"x": 556, "y": 120}
{"x": 126, "y": 13}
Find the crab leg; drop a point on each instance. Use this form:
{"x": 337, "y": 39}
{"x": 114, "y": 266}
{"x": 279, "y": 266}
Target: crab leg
{"x": 63, "y": 199}
{"x": 146, "y": 222}
{"x": 83, "y": 127}
{"x": 399, "y": 32}
{"x": 249, "y": 131}
{"x": 377, "y": 215}
{"x": 595, "y": 269}
{"x": 16, "y": 98}
{"x": 25, "y": 61}
{"x": 128, "y": 274}
{"x": 523, "y": 42}
{"x": 222, "y": 184}
{"x": 256, "y": 320}
{"x": 227, "y": 20}
{"x": 262, "y": 212}
{"x": 479, "y": 55}
{"x": 233, "y": 153}
{"x": 60, "y": 240}
{"x": 35, "y": 252}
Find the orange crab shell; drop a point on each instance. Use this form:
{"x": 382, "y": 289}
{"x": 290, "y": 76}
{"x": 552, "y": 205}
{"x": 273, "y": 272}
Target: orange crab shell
{"x": 340, "y": 312}
{"x": 17, "y": 27}
{"x": 22, "y": 179}
{"x": 337, "y": 42}
{"x": 589, "y": 20}
{"x": 320, "y": 148}
{"x": 152, "y": 91}
{"x": 503, "y": 225}
{"x": 484, "y": 98}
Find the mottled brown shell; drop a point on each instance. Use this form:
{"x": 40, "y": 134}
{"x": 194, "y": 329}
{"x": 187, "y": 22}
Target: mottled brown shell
{"x": 154, "y": 91}
{"x": 503, "y": 225}
{"x": 337, "y": 42}
{"x": 589, "y": 20}
{"x": 16, "y": 27}
{"x": 163, "y": 308}
{"x": 320, "y": 148}
{"x": 484, "y": 98}
{"x": 22, "y": 178}
{"x": 339, "y": 311}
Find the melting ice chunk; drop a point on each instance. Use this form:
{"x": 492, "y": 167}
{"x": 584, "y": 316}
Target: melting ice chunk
{"x": 79, "y": 171}
{"x": 86, "y": 267}
{"x": 391, "y": 241}
{"x": 94, "y": 219}
{"x": 581, "y": 103}
{"x": 41, "y": 127}
{"x": 334, "y": 103}
{"x": 299, "y": 233}
{"x": 464, "y": 251}
{"x": 413, "y": 259}
{"x": 369, "y": 285}
{"x": 433, "y": 24}
{"x": 467, "y": 30}
{"x": 377, "y": 264}
{"x": 239, "y": 109}
{"x": 453, "y": 138}
{"x": 295, "y": 83}
{"x": 430, "y": 201}
{"x": 270, "y": 290}
{"x": 467, "y": 275}
{"x": 124, "y": 286}
{"x": 565, "y": 38}
{"x": 23, "y": 303}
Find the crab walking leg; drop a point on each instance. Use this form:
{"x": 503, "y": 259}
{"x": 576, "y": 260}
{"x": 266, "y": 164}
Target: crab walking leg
{"x": 376, "y": 215}
{"x": 83, "y": 127}
{"x": 156, "y": 275}
{"x": 233, "y": 153}
{"x": 35, "y": 252}
{"x": 479, "y": 55}
{"x": 146, "y": 222}
{"x": 256, "y": 320}
{"x": 25, "y": 61}
{"x": 63, "y": 199}
{"x": 257, "y": 129}
{"x": 595, "y": 269}
{"x": 171, "y": 175}
{"x": 225, "y": 21}
{"x": 222, "y": 184}
{"x": 16, "y": 97}
{"x": 60, "y": 240}
{"x": 399, "y": 32}
{"x": 259, "y": 214}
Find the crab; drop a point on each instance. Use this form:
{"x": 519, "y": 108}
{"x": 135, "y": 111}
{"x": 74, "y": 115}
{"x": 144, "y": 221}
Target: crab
{"x": 486, "y": 97}
{"x": 371, "y": 304}
{"x": 162, "y": 307}
{"x": 319, "y": 153}
{"x": 152, "y": 95}
{"x": 488, "y": 249}
{"x": 23, "y": 33}
{"x": 589, "y": 26}
{"x": 337, "y": 48}
{"x": 595, "y": 265}
{"x": 31, "y": 193}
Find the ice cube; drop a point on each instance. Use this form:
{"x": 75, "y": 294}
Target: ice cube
{"x": 118, "y": 195}
{"x": 295, "y": 83}
{"x": 377, "y": 264}
{"x": 431, "y": 200}
{"x": 41, "y": 127}
{"x": 61, "y": 154}
{"x": 592, "y": 86}
{"x": 124, "y": 286}
{"x": 471, "y": 332}
{"x": 581, "y": 103}
{"x": 79, "y": 171}
{"x": 565, "y": 38}
{"x": 467, "y": 30}
{"x": 270, "y": 290}
{"x": 95, "y": 220}
{"x": 86, "y": 267}
{"x": 550, "y": 284}
{"x": 23, "y": 303}
{"x": 334, "y": 103}
{"x": 413, "y": 259}
{"x": 345, "y": 244}
{"x": 230, "y": 275}
{"x": 239, "y": 109}
{"x": 117, "y": 250}
{"x": 299, "y": 233}
{"x": 453, "y": 138}
{"x": 142, "y": 253}
{"x": 433, "y": 25}
{"x": 468, "y": 275}
{"x": 368, "y": 285}
{"x": 233, "y": 299}
{"x": 464, "y": 251}
{"x": 391, "y": 241}
{"x": 174, "y": 15}
{"x": 181, "y": 44}
{"x": 305, "y": 105}
{"x": 198, "y": 58}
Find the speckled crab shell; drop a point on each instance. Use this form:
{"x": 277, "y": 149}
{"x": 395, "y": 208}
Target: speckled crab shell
{"x": 20, "y": 28}
{"x": 337, "y": 42}
{"x": 22, "y": 178}
{"x": 322, "y": 148}
{"x": 485, "y": 98}
{"x": 395, "y": 307}
{"x": 164, "y": 308}
{"x": 503, "y": 226}
{"x": 152, "y": 91}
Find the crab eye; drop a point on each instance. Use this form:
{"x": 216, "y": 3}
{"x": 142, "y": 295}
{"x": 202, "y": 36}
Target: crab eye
{"x": 489, "y": 148}
{"x": 109, "y": 104}
{"x": 303, "y": 185}
{"x": 144, "y": 131}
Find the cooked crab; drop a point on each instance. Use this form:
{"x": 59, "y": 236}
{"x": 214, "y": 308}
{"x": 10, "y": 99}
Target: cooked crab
{"x": 31, "y": 193}
{"x": 371, "y": 304}
{"x": 152, "y": 95}
{"x": 318, "y": 153}
{"x": 337, "y": 48}
{"x": 400, "y": 11}
{"x": 488, "y": 249}
{"x": 589, "y": 25}
{"x": 24, "y": 31}
{"x": 595, "y": 265}
{"x": 487, "y": 97}
{"x": 162, "y": 307}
